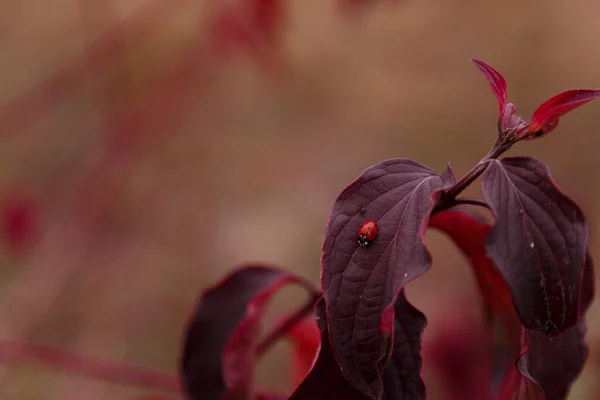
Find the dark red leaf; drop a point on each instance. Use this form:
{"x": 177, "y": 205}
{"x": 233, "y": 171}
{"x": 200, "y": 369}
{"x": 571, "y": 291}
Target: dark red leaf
{"x": 538, "y": 242}
{"x": 401, "y": 376}
{"x": 220, "y": 341}
{"x": 362, "y": 283}
{"x": 306, "y": 339}
{"x": 545, "y": 117}
{"x": 555, "y": 364}
{"x": 325, "y": 380}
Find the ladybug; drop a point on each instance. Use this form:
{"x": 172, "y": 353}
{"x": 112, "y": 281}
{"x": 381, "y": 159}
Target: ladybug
{"x": 367, "y": 233}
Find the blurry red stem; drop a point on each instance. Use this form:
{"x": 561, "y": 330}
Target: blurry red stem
{"x": 61, "y": 360}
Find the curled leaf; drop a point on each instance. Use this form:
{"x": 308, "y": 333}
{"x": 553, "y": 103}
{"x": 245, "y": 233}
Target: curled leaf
{"x": 361, "y": 283}
{"x": 538, "y": 242}
{"x": 221, "y": 338}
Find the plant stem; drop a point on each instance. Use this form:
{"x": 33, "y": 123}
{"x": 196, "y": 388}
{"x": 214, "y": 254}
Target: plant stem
{"x": 448, "y": 198}
{"x": 464, "y": 200}
{"x": 13, "y": 351}
{"x": 284, "y": 326}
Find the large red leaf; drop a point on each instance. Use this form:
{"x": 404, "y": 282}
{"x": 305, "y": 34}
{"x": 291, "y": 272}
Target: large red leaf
{"x": 360, "y": 284}
{"x": 220, "y": 341}
{"x": 538, "y": 242}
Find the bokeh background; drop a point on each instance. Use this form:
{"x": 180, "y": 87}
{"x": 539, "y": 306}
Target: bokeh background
{"x": 141, "y": 165}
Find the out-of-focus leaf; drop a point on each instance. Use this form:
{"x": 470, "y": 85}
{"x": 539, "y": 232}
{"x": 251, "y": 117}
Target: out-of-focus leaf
{"x": 220, "y": 341}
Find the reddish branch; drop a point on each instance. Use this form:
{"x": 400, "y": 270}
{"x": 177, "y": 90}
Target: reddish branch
{"x": 64, "y": 361}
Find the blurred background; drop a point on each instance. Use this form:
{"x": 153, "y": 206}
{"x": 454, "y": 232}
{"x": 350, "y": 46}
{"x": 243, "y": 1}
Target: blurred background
{"x": 141, "y": 159}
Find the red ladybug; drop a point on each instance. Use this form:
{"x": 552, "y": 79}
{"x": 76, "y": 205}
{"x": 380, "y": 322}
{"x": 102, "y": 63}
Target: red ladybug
{"x": 367, "y": 233}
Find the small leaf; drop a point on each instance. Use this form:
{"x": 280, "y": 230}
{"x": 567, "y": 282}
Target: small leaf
{"x": 221, "y": 338}
{"x": 496, "y": 81}
{"x": 545, "y": 117}
{"x": 538, "y": 242}
{"x": 401, "y": 377}
{"x": 361, "y": 283}
{"x": 555, "y": 364}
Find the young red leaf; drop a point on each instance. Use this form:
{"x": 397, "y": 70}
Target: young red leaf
{"x": 401, "y": 376}
{"x": 221, "y": 338}
{"x": 555, "y": 364}
{"x": 538, "y": 242}
{"x": 545, "y": 117}
{"x": 361, "y": 283}
{"x": 496, "y": 81}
